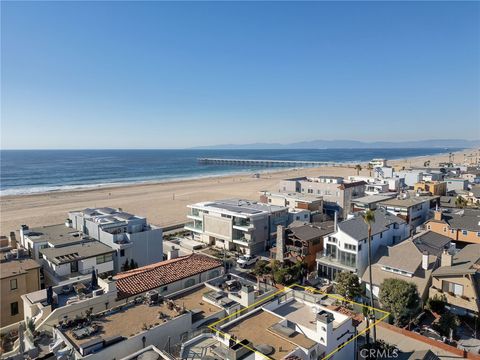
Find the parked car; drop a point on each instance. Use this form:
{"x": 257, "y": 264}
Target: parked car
{"x": 246, "y": 260}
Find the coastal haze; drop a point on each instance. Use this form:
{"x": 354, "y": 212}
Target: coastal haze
{"x": 164, "y": 203}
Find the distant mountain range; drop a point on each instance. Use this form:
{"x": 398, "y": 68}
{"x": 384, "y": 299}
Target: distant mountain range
{"x": 353, "y": 144}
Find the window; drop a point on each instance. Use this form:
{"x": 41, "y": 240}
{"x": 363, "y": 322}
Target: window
{"x": 13, "y": 284}
{"x": 122, "y": 252}
{"x": 165, "y": 288}
{"x": 14, "y": 308}
{"x": 104, "y": 258}
{"x": 350, "y": 247}
{"x": 451, "y": 287}
{"x": 464, "y": 232}
{"x": 214, "y": 274}
{"x": 381, "y": 235}
{"x": 444, "y": 229}
{"x": 189, "y": 282}
{"x": 310, "y": 191}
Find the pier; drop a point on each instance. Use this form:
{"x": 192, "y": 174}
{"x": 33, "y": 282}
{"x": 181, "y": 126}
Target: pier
{"x": 266, "y": 163}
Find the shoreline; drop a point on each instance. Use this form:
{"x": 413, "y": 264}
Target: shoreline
{"x": 165, "y": 203}
{"x": 261, "y": 170}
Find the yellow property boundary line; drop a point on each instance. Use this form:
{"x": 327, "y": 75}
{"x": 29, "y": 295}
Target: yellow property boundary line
{"x": 311, "y": 289}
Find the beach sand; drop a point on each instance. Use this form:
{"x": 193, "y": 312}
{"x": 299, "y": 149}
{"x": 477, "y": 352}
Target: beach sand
{"x": 165, "y": 203}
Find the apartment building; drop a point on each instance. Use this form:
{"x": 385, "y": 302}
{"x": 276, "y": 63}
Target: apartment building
{"x": 432, "y": 187}
{"x": 301, "y": 207}
{"x": 235, "y": 224}
{"x": 18, "y": 276}
{"x": 347, "y": 250}
{"x": 460, "y": 225}
{"x": 414, "y": 209}
{"x": 458, "y": 279}
{"x": 337, "y": 194}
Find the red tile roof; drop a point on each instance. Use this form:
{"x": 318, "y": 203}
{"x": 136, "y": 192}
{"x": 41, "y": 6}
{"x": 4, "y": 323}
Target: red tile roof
{"x": 143, "y": 279}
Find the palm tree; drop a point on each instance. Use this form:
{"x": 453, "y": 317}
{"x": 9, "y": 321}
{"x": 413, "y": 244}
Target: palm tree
{"x": 358, "y": 167}
{"x": 369, "y": 218}
{"x": 370, "y": 168}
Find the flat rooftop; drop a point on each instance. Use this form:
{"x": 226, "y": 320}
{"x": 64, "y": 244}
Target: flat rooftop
{"x": 16, "y": 267}
{"x": 410, "y": 201}
{"x": 127, "y": 322}
{"x": 66, "y": 254}
{"x": 299, "y": 313}
{"x": 372, "y": 199}
{"x": 240, "y": 206}
{"x": 193, "y": 300}
{"x": 294, "y": 195}
{"x": 57, "y": 235}
{"x": 262, "y": 327}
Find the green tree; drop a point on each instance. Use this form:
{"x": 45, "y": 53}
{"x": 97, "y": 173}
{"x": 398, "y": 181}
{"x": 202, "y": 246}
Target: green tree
{"x": 436, "y": 303}
{"x": 133, "y": 264}
{"x": 125, "y": 266}
{"x": 400, "y": 298}
{"x": 347, "y": 285}
{"x": 447, "y": 322}
{"x": 370, "y": 168}
{"x": 369, "y": 219}
{"x": 262, "y": 267}
{"x": 358, "y": 167}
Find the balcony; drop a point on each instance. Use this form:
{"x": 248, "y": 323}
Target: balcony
{"x": 299, "y": 250}
{"x": 241, "y": 241}
{"x": 456, "y": 300}
{"x": 195, "y": 227}
{"x": 195, "y": 215}
{"x": 242, "y": 224}
{"x": 331, "y": 260}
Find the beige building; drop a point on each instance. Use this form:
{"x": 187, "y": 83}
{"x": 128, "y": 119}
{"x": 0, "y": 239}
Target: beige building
{"x": 18, "y": 277}
{"x": 458, "y": 278}
{"x": 337, "y": 194}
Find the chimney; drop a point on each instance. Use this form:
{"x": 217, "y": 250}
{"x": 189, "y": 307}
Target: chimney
{"x": 68, "y": 223}
{"x": 172, "y": 253}
{"x": 13, "y": 240}
{"x": 437, "y": 215}
{"x": 247, "y": 293}
{"x": 425, "y": 260}
{"x": 446, "y": 259}
{"x": 280, "y": 243}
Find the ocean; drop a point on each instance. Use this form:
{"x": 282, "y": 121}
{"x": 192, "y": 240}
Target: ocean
{"x": 37, "y": 171}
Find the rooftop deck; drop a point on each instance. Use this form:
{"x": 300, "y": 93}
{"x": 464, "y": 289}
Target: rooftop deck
{"x": 193, "y": 300}
{"x": 259, "y": 328}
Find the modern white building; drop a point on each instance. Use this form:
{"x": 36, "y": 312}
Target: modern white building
{"x": 63, "y": 263}
{"x": 347, "y": 250}
{"x": 236, "y": 224}
{"x": 131, "y": 236}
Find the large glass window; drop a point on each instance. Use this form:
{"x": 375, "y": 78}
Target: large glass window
{"x": 347, "y": 259}
{"x": 104, "y": 258}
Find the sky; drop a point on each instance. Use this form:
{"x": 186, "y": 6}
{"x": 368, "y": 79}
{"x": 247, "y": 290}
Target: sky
{"x": 184, "y": 74}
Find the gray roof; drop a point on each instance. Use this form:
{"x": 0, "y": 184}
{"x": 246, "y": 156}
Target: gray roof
{"x": 66, "y": 254}
{"x": 309, "y": 232}
{"x": 431, "y": 242}
{"x": 57, "y": 235}
{"x": 408, "y": 202}
{"x": 357, "y": 228}
{"x": 466, "y": 261}
{"x": 372, "y": 199}
{"x": 404, "y": 256}
{"x": 448, "y": 201}
{"x": 466, "y": 219}
{"x": 423, "y": 355}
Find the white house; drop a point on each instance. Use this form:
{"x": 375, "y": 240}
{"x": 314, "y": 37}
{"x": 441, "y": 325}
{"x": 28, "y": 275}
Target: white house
{"x": 347, "y": 250}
